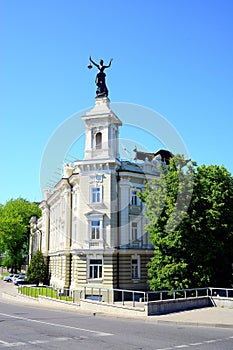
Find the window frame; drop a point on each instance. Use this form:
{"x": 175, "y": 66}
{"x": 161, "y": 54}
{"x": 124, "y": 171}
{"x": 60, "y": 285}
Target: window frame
{"x": 134, "y": 229}
{"x": 97, "y": 195}
{"x": 135, "y": 267}
{"x": 95, "y": 269}
{"x": 98, "y": 140}
{"x": 96, "y": 228}
{"x": 134, "y": 200}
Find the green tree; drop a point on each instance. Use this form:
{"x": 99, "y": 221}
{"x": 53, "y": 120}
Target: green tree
{"x": 15, "y": 229}
{"x": 37, "y": 269}
{"x": 189, "y": 210}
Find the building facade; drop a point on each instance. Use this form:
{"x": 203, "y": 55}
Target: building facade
{"x": 92, "y": 229}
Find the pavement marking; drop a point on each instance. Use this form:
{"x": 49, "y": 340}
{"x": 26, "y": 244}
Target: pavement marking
{"x": 3, "y": 342}
{"x": 34, "y": 342}
{"x": 15, "y": 344}
{"x": 196, "y": 344}
{"x": 212, "y": 341}
{"x": 99, "y": 333}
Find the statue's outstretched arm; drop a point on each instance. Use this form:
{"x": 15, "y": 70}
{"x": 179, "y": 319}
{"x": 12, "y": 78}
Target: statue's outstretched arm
{"x": 95, "y": 64}
{"x": 109, "y": 63}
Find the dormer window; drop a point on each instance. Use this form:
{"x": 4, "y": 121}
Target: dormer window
{"x": 98, "y": 140}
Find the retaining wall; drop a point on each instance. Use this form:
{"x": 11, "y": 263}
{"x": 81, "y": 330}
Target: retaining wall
{"x": 175, "y": 305}
{"x": 222, "y": 302}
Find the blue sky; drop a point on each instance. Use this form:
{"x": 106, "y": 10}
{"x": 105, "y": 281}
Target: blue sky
{"x": 172, "y": 56}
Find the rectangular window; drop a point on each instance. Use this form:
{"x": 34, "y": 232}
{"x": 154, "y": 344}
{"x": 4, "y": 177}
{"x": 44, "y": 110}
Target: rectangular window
{"x": 134, "y": 231}
{"x": 96, "y": 195}
{"x": 134, "y": 198}
{"x": 95, "y": 229}
{"x": 95, "y": 269}
{"x": 135, "y": 267}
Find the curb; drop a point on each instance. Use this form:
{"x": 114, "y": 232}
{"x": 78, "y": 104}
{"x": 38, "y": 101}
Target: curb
{"x": 195, "y": 324}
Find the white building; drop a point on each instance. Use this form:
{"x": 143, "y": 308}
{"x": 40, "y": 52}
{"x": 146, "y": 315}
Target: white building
{"x": 92, "y": 224}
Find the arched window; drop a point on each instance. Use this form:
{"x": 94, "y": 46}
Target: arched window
{"x": 98, "y": 140}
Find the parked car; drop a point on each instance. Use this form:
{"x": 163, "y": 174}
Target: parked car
{"x": 20, "y": 280}
{"x": 14, "y": 278}
{"x": 8, "y": 278}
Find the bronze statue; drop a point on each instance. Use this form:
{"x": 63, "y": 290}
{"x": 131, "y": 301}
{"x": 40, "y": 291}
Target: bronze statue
{"x": 102, "y": 90}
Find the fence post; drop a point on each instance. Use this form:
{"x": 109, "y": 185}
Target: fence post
{"x": 133, "y": 300}
{"x": 123, "y": 303}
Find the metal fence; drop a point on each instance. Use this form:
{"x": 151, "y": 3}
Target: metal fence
{"x": 111, "y": 296}
{"x": 122, "y": 296}
{"x": 221, "y": 292}
{"x": 47, "y": 291}
{"x": 177, "y": 293}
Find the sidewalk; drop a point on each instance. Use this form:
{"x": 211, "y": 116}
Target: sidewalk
{"x": 8, "y": 288}
{"x": 208, "y": 317}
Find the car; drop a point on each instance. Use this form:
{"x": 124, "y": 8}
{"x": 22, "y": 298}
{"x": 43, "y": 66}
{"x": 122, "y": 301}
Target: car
{"x": 14, "y": 278}
{"x": 20, "y": 280}
{"x": 8, "y": 278}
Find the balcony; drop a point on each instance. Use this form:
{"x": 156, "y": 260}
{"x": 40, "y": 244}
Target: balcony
{"x": 94, "y": 244}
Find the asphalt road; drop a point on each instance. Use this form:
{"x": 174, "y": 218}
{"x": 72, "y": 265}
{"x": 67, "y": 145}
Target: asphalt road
{"x": 26, "y": 327}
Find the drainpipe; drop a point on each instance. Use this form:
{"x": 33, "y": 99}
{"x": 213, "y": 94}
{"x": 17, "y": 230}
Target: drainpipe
{"x": 71, "y": 224}
{"x": 118, "y": 233}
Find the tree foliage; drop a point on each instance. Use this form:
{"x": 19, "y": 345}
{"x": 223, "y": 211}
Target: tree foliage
{"x": 37, "y": 269}
{"x": 15, "y": 229}
{"x": 190, "y": 216}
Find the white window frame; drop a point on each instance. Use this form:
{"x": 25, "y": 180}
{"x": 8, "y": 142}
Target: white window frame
{"x": 96, "y": 198}
{"x": 95, "y": 229}
{"x": 94, "y": 218}
{"x": 135, "y": 267}
{"x": 134, "y": 231}
{"x": 95, "y": 269}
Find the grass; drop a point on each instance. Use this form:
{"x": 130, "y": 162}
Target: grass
{"x": 3, "y": 275}
{"x": 35, "y": 292}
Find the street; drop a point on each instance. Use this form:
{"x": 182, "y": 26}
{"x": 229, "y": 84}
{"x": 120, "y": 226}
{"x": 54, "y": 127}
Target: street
{"x": 26, "y": 327}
